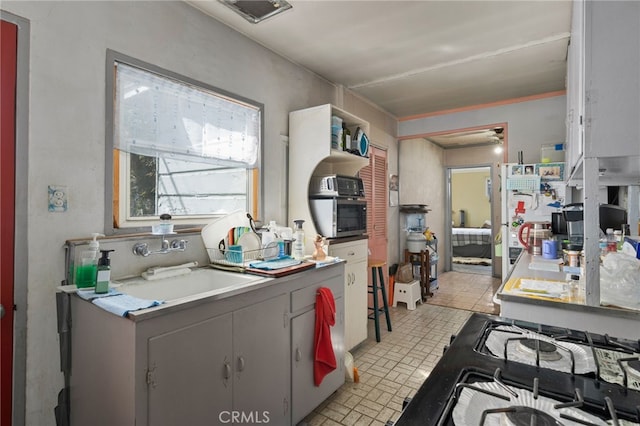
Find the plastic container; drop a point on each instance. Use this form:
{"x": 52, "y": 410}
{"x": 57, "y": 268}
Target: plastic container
{"x": 348, "y": 366}
{"x": 552, "y": 153}
{"x": 612, "y": 244}
{"x": 86, "y": 271}
{"x": 336, "y": 132}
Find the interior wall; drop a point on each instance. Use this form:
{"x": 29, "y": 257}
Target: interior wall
{"x": 67, "y": 131}
{"x": 422, "y": 181}
{"x": 531, "y": 124}
{"x": 468, "y": 193}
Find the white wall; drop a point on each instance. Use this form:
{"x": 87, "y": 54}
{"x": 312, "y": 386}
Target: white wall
{"x": 67, "y": 131}
{"x": 530, "y": 124}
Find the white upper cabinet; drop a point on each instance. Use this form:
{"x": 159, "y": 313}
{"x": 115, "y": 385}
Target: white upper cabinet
{"x": 612, "y": 78}
{"x": 311, "y": 154}
{"x": 603, "y": 87}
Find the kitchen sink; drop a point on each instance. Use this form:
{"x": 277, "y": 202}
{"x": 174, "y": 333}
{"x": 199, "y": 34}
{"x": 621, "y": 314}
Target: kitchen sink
{"x": 199, "y": 283}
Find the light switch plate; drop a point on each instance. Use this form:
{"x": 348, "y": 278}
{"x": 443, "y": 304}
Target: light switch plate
{"x": 58, "y": 198}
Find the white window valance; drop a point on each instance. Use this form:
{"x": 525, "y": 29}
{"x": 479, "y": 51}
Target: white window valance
{"x": 163, "y": 117}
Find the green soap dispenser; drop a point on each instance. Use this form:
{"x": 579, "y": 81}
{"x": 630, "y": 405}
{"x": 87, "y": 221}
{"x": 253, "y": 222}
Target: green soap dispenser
{"x": 104, "y": 272}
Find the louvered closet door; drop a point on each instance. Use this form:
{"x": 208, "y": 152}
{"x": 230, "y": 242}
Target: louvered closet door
{"x": 374, "y": 177}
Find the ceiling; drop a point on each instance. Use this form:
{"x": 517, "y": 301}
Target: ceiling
{"x": 419, "y": 57}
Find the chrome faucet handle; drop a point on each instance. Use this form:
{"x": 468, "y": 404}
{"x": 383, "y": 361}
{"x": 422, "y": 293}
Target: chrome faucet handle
{"x": 141, "y": 249}
{"x": 179, "y": 244}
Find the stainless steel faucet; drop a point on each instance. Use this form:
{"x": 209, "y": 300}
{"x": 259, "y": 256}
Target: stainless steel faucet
{"x": 142, "y": 249}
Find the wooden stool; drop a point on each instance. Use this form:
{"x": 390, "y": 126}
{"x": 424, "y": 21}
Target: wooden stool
{"x": 376, "y": 269}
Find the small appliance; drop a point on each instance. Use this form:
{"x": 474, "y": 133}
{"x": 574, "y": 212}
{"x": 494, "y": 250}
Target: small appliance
{"x": 336, "y": 186}
{"x": 337, "y": 217}
{"x": 574, "y": 216}
{"x": 531, "y": 235}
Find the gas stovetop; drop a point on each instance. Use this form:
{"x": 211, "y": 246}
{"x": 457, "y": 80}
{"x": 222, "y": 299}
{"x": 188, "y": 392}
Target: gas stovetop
{"x": 503, "y": 372}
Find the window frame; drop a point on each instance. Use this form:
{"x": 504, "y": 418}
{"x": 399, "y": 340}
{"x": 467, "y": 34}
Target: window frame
{"x": 114, "y": 224}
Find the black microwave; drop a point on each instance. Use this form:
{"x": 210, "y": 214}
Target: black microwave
{"x": 337, "y": 217}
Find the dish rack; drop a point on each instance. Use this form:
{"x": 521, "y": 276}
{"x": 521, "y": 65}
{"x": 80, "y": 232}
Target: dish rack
{"x": 236, "y": 259}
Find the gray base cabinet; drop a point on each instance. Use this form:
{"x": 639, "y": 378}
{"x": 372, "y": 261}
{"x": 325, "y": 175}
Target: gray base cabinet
{"x": 261, "y": 361}
{"x": 235, "y": 362}
{"x": 201, "y": 363}
{"x": 196, "y": 358}
{"x": 305, "y": 394}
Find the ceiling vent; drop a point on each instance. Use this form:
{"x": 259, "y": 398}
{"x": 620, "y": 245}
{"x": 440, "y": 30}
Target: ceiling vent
{"x": 256, "y": 11}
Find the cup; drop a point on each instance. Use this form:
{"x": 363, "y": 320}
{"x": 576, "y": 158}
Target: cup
{"x": 549, "y": 249}
{"x": 234, "y": 254}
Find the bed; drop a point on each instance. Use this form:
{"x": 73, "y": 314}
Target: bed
{"x": 471, "y": 242}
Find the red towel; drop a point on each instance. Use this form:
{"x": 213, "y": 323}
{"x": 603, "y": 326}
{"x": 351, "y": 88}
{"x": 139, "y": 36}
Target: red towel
{"x": 324, "y": 361}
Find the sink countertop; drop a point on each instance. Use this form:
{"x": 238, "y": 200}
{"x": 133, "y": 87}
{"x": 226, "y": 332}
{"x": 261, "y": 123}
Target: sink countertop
{"x": 202, "y": 297}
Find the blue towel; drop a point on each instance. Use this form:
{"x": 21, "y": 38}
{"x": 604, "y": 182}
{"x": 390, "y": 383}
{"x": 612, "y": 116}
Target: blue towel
{"x": 91, "y": 294}
{"x": 275, "y": 264}
{"x": 122, "y": 304}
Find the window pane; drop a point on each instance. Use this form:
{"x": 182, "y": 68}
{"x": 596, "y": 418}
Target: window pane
{"x": 184, "y": 188}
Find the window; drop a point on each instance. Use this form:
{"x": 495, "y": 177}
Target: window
{"x": 178, "y": 146}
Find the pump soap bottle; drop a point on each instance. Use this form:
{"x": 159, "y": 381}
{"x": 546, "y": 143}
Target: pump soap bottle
{"x": 104, "y": 272}
{"x": 87, "y": 266}
{"x": 298, "y": 240}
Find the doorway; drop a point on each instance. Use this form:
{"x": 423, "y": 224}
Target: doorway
{"x": 471, "y": 206}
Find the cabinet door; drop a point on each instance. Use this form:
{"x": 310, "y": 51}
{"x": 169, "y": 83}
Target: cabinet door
{"x": 612, "y": 59}
{"x": 356, "y": 300}
{"x": 355, "y": 290}
{"x": 189, "y": 374}
{"x": 305, "y": 394}
{"x": 261, "y": 361}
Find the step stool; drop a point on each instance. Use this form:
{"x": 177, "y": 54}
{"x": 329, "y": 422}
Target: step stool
{"x": 408, "y": 293}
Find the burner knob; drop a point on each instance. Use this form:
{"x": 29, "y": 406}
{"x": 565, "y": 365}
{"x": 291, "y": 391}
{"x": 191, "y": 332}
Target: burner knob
{"x": 444, "y": 349}
{"x": 452, "y": 338}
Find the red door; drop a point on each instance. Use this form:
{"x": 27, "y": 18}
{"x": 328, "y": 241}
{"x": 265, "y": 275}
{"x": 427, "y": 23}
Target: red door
{"x": 8, "y": 46}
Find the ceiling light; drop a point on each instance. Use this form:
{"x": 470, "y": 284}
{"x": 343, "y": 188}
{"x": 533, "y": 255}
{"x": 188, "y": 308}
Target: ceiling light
{"x": 256, "y": 11}
{"x": 498, "y": 149}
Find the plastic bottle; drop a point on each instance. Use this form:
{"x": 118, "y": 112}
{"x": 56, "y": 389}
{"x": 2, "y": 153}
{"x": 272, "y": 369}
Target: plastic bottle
{"x": 298, "y": 240}
{"x": 612, "y": 245}
{"x": 104, "y": 272}
{"x": 619, "y": 239}
{"x": 87, "y": 266}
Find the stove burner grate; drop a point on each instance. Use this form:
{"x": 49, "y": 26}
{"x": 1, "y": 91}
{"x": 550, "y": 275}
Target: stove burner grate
{"x": 480, "y": 399}
{"x": 522, "y": 416}
{"x": 546, "y": 351}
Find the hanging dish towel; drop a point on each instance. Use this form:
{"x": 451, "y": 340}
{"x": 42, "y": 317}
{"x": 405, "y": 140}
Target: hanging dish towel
{"x": 324, "y": 357}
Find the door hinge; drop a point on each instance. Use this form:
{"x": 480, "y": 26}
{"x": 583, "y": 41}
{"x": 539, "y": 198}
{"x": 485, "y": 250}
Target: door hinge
{"x": 151, "y": 377}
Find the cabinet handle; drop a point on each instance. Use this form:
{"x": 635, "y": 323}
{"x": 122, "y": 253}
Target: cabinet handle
{"x": 298, "y": 355}
{"x": 240, "y": 363}
{"x": 227, "y": 370}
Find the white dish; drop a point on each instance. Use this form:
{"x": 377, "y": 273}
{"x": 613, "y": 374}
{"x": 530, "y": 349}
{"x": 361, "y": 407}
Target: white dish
{"x": 249, "y": 241}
